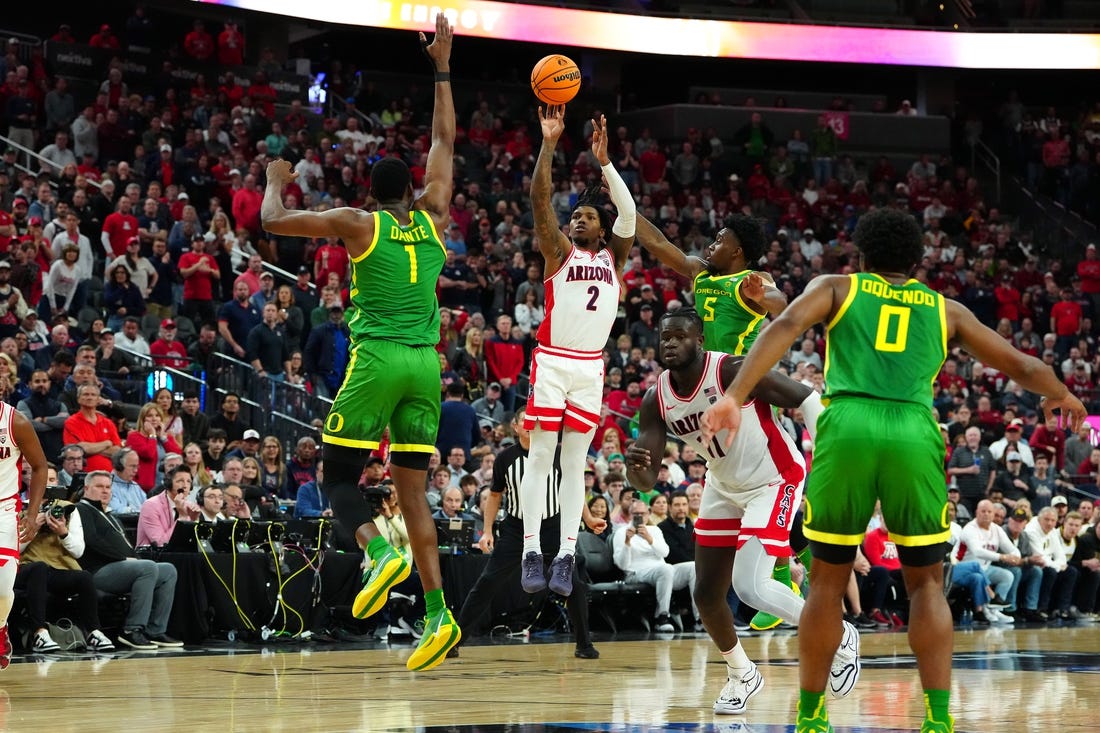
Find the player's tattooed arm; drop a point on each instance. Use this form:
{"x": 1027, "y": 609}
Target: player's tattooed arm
{"x": 552, "y": 243}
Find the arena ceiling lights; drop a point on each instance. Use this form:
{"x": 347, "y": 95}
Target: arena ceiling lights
{"x": 707, "y": 38}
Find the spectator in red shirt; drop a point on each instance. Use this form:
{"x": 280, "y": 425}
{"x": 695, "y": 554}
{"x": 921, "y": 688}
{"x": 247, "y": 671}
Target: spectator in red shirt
{"x": 330, "y": 257}
{"x": 106, "y": 38}
{"x": 1088, "y": 270}
{"x": 624, "y": 403}
{"x": 885, "y": 573}
{"x": 653, "y": 164}
{"x": 119, "y": 228}
{"x": 263, "y": 95}
{"x": 198, "y": 44}
{"x": 1009, "y": 301}
{"x": 92, "y": 431}
{"x": 1050, "y": 437}
{"x": 199, "y": 271}
{"x": 949, "y": 376}
{"x": 166, "y": 350}
{"x": 1065, "y": 321}
{"x": 1080, "y": 383}
{"x": 504, "y": 358}
{"x": 246, "y": 206}
{"x": 230, "y": 45}
{"x": 232, "y": 90}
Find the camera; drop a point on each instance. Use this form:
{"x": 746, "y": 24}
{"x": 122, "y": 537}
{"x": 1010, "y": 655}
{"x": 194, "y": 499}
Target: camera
{"x": 57, "y": 510}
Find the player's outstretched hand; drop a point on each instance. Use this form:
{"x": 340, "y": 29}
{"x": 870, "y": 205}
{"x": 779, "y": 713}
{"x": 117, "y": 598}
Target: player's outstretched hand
{"x": 1073, "y": 412}
{"x": 725, "y": 414}
{"x": 599, "y": 140}
{"x": 637, "y": 457}
{"x": 552, "y": 120}
{"x": 280, "y": 172}
{"x": 439, "y": 50}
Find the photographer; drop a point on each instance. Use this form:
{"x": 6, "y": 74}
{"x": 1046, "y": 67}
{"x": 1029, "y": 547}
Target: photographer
{"x": 48, "y": 564}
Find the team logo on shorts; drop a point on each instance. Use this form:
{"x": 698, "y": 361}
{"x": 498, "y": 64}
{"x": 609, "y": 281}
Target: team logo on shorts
{"x": 785, "y": 506}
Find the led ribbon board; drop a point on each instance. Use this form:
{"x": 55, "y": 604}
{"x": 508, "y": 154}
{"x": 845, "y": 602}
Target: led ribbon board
{"x": 708, "y": 38}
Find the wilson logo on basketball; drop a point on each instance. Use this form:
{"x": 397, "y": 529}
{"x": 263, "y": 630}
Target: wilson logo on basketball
{"x": 571, "y": 76}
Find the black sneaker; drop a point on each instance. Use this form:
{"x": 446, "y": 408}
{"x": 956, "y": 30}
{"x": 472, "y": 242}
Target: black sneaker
{"x": 862, "y": 622}
{"x": 586, "y": 652}
{"x": 136, "y": 639}
{"x": 663, "y": 624}
{"x": 165, "y": 640}
{"x": 561, "y": 576}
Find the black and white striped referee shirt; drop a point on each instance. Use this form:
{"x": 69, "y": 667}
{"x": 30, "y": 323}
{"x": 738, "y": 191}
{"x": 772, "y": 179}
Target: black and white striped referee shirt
{"x": 508, "y": 473}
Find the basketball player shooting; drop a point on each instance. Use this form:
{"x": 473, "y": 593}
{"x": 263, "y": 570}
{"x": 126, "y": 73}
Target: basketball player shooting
{"x": 582, "y": 300}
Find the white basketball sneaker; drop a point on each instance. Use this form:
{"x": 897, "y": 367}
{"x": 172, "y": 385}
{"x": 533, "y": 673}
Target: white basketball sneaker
{"x": 735, "y": 695}
{"x": 844, "y": 673}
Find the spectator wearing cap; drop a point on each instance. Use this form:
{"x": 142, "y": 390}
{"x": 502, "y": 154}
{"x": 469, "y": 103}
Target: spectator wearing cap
{"x": 305, "y": 294}
{"x": 167, "y": 351}
{"x": 13, "y": 307}
{"x": 1013, "y": 442}
{"x": 142, "y": 272}
{"x": 1029, "y": 573}
{"x": 249, "y": 444}
{"x": 327, "y": 351}
{"x": 1014, "y": 481}
{"x": 266, "y": 293}
{"x": 696, "y": 474}
{"x": 104, "y": 38}
{"x": 200, "y": 272}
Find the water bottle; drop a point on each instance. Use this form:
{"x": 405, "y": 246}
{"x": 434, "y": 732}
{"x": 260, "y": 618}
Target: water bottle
{"x": 967, "y": 617}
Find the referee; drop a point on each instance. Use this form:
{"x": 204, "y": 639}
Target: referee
{"x": 507, "y": 552}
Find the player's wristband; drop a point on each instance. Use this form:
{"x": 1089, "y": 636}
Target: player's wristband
{"x": 442, "y": 76}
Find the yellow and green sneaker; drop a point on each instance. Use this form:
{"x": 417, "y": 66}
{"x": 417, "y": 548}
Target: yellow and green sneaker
{"x": 818, "y": 724}
{"x": 441, "y": 632}
{"x": 386, "y": 572}
{"x": 764, "y": 621}
{"x": 937, "y": 726}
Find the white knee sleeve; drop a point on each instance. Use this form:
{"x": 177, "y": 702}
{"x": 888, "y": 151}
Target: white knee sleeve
{"x": 753, "y": 583}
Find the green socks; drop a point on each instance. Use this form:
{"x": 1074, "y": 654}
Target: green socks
{"x": 377, "y": 547}
{"x": 936, "y": 703}
{"x": 811, "y": 704}
{"x": 433, "y": 602}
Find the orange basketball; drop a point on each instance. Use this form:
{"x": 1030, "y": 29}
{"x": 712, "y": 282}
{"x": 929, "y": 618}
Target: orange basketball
{"x": 555, "y": 79}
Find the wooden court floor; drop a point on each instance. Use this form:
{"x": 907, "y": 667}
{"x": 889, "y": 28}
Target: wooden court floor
{"x": 1041, "y": 679}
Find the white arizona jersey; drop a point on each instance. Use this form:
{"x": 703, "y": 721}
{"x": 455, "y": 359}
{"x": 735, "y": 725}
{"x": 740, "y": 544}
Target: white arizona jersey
{"x": 10, "y": 470}
{"x": 582, "y": 301}
{"x": 762, "y": 451}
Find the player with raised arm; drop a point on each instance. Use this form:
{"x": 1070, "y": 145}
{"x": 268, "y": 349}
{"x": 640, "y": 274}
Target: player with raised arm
{"x": 582, "y": 301}
{"x": 730, "y": 297}
{"x": 753, "y": 489}
{"x": 887, "y": 337}
{"x": 733, "y": 300}
{"x": 397, "y": 254}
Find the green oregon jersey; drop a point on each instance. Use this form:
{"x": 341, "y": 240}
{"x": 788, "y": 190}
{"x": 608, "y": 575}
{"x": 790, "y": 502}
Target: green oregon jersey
{"x": 887, "y": 341}
{"x": 393, "y": 283}
{"x": 730, "y": 324}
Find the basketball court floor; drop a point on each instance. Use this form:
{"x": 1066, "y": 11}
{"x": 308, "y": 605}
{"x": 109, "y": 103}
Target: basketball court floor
{"x": 1032, "y": 679}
